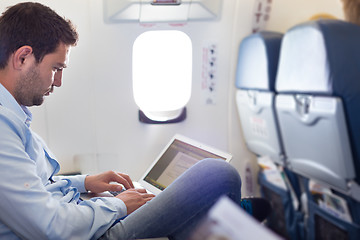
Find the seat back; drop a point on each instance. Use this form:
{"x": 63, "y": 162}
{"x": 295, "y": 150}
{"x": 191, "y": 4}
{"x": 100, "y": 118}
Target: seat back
{"x": 318, "y": 101}
{"x": 255, "y": 81}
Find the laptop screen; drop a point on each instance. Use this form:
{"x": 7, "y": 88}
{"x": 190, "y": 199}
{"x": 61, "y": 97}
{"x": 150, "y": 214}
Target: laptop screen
{"x": 178, "y": 157}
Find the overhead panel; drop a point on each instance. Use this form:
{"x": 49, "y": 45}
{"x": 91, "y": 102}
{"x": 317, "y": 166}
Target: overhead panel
{"x": 152, "y": 11}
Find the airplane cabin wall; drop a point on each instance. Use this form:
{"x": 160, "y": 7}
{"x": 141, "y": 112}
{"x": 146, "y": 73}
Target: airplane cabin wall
{"x": 118, "y": 129}
{"x": 286, "y": 14}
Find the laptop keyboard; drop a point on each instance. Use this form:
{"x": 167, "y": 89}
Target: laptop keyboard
{"x": 114, "y": 193}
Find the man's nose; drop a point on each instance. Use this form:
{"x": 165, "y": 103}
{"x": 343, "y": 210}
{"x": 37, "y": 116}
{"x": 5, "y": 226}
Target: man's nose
{"x": 58, "y": 79}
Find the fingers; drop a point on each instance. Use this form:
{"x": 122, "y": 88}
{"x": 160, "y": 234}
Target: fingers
{"x": 106, "y": 181}
{"x": 135, "y": 198}
{"x": 141, "y": 190}
{"x": 128, "y": 179}
{"x": 123, "y": 179}
{"x": 116, "y": 187}
{"x": 146, "y": 196}
{"x": 142, "y": 193}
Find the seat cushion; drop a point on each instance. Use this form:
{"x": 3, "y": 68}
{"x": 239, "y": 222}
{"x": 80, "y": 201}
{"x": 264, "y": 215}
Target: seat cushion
{"x": 258, "y": 60}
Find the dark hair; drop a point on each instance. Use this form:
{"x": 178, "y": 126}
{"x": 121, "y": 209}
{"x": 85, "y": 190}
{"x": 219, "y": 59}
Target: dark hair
{"x": 35, "y": 25}
{"x": 352, "y": 11}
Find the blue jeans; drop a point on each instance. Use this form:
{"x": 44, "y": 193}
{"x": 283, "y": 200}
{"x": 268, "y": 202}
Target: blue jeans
{"x": 176, "y": 211}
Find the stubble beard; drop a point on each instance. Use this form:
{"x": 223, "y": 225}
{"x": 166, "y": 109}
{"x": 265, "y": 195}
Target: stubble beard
{"x": 28, "y": 89}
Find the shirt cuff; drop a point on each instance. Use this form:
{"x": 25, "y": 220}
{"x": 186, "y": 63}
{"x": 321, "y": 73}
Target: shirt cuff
{"x": 77, "y": 181}
{"x": 116, "y": 203}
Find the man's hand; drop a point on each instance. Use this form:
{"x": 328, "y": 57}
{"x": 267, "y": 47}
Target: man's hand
{"x": 102, "y": 182}
{"x": 135, "y": 198}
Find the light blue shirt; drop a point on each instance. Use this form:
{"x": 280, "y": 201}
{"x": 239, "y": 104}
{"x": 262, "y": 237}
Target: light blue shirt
{"x": 32, "y": 207}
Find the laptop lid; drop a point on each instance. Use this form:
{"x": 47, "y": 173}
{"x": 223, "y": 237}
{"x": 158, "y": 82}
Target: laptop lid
{"x": 179, "y": 154}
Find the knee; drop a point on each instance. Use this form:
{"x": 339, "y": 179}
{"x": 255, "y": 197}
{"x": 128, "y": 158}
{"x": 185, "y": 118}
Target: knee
{"x": 215, "y": 163}
{"x": 218, "y": 168}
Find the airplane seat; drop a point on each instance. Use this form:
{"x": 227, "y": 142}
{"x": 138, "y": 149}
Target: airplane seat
{"x": 258, "y": 57}
{"x": 255, "y": 81}
{"x": 318, "y": 108}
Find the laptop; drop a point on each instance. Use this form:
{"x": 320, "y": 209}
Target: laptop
{"x": 178, "y": 155}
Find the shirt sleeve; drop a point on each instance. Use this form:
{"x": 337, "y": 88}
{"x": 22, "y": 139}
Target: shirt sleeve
{"x": 32, "y": 212}
{"x": 78, "y": 181}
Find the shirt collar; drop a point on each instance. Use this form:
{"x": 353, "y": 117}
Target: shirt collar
{"x": 8, "y": 101}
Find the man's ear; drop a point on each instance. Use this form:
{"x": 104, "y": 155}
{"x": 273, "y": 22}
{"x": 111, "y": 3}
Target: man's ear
{"x": 21, "y": 56}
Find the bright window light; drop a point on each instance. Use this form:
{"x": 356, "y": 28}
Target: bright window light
{"x": 162, "y": 72}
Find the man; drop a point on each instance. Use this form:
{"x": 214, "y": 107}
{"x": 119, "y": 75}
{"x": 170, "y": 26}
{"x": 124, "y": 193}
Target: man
{"x": 35, "y": 44}
{"x": 351, "y": 11}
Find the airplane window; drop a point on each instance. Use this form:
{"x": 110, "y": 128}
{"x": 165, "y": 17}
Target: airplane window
{"x": 162, "y": 75}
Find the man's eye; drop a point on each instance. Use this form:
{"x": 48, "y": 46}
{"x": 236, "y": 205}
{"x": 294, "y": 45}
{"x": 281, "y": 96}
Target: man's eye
{"x": 55, "y": 69}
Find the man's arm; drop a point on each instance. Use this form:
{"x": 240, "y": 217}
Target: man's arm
{"x": 27, "y": 208}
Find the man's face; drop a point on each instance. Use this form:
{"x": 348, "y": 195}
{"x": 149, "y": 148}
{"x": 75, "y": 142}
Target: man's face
{"x": 38, "y": 79}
